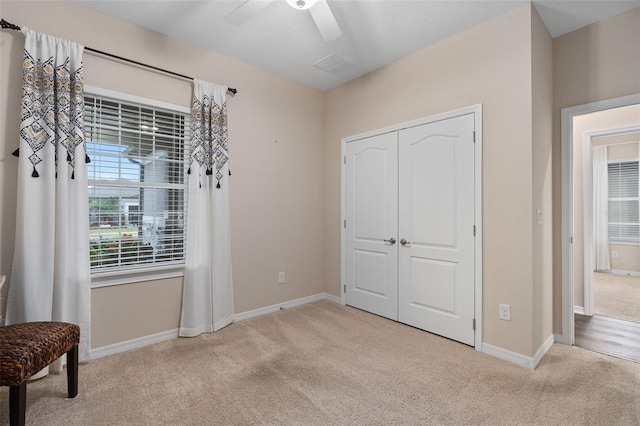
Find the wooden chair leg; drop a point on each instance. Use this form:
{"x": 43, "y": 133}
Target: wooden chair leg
{"x": 72, "y": 372}
{"x": 17, "y": 404}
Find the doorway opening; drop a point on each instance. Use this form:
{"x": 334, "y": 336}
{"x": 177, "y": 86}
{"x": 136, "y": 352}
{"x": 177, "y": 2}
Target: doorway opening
{"x": 600, "y": 229}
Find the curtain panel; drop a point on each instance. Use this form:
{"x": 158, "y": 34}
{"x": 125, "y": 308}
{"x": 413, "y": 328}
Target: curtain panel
{"x": 50, "y": 279}
{"x": 207, "y": 301}
{"x": 601, "y": 208}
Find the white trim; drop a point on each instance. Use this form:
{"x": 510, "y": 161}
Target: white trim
{"x": 625, "y": 273}
{"x": 579, "y": 310}
{"x": 519, "y": 359}
{"x": 588, "y": 207}
{"x": 126, "y": 97}
{"x": 567, "y": 114}
{"x": 479, "y": 227}
{"x": 476, "y": 110}
{"x": 137, "y": 343}
{"x": 507, "y": 355}
{"x": 543, "y": 349}
{"x": 285, "y": 305}
{"x": 111, "y": 278}
{"x": 557, "y": 338}
{"x": 343, "y": 219}
{"x": 624, "y": 242}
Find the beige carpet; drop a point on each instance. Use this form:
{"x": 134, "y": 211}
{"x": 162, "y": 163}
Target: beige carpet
{"x": 326, "y": 364}
{"x": 616, "y": 296}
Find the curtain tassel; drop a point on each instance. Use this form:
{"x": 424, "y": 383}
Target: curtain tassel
{"x": 73, "y": 174}
{"x": 35, "y": 172}
{"x": 209, "y": 172}
{"x": 189, "y": 171}
{"x": 68, "y": 157}
{"x": 218, "y": 185}
{"x": 87, "y": 159}
{"x": 16, "y": 153}
{"x": 229, "y": 172}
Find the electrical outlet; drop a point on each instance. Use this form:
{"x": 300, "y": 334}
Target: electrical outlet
{"x": 614, "y": 254}
{"x": 281, "y": 278}
{"x": 504, "y": 312}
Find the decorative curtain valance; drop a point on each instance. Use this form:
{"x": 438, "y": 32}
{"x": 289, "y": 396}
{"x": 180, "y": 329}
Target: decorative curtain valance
{"x": 50, "y": 278}
{"x": 52, "y": 111}
{"x": 209, "y": 140}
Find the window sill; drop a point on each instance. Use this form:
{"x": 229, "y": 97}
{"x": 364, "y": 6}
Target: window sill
{"x": 624, "y": 242}
{"x": 111, "y": 278}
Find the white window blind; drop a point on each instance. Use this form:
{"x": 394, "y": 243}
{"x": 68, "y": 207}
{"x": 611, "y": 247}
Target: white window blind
{"x": 136, "y": 183}
{"x": 624, "y": 201}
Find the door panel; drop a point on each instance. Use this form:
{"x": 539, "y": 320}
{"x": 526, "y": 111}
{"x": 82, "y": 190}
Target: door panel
{"x": 436, "y": 217}
{"x": 371, "y": 200}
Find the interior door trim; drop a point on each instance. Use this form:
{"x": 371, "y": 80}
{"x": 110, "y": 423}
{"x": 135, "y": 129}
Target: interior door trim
{"x": 566, "y": 128}
{"x": 476, "y": 110}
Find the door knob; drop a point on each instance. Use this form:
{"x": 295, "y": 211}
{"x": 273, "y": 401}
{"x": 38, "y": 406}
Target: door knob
{"x": 404, "y": 242}
{"x": 391, "y": 241}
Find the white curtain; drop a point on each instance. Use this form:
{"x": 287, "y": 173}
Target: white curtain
{"x": 601, "y": 208}
{"x": 207, "y": 300}
{"x": 50, "y": 278}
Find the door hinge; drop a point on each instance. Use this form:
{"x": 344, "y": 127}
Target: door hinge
{"x": 474, "y": 324}
{"x": 474, "y": 230}
{"x": 345, "y": 288}
{"x": 474, "y": 137}
{"x": 345, "y": 224}
{"x": 345, "y": 159}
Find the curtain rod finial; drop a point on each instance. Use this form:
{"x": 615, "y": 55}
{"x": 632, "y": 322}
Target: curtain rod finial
{"x": 9, "y": 25}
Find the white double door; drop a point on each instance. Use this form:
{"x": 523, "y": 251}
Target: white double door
{"x": 409, "y": 230}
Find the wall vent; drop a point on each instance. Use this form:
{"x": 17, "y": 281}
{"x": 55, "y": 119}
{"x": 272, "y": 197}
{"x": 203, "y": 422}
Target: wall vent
{"x": 334, "y": 64}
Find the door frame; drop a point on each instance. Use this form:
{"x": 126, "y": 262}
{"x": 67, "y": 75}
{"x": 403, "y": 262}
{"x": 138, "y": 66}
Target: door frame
{"x": 588, "y": 206}
{"x": 566, "y": 123}
{"x": 476, "y": 110}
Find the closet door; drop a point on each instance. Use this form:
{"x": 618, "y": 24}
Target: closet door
{"x": 436, "y": 228}
{"x": 371, "y": 212}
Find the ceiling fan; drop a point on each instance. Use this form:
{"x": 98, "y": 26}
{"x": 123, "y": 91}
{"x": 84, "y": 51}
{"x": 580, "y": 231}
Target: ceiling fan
{"x": 319, "y": 9}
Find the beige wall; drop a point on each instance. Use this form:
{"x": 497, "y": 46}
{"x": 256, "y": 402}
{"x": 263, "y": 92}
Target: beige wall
{"x": 628, "y": 259}
{"x": 582, "y": 125}
{"x": 542, "y": 98}
{"x": 277, "y": 198}
{"x": 601, "y": 61}
{"x": 481, "y": 65}
{"x": 286, "y": 194}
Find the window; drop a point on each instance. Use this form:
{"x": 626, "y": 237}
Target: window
{"x": 624, "y": 201}
{"x": 136, "y": 183}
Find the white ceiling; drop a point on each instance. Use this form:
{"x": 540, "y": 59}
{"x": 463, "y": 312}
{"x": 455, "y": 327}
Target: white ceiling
{"x": 375, "y": 32}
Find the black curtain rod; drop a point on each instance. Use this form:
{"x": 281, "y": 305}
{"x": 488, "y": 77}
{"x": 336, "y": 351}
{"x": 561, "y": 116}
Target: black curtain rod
{"x": 10, "y": 26}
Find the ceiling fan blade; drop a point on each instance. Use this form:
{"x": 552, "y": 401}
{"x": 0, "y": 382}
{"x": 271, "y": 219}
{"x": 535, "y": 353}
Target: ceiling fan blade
{"x": 246, "y": 11}
{"x": 325, "y": 20}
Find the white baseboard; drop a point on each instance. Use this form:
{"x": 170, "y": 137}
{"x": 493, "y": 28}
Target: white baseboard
{"x": 542, "y": 350}
{"x": 140, "y": 342}
{"x": 557, "y": 338}
{"x": 128, "y": 345}
{"x": 628, "y": 273}
{"x": 507, "y": 355}
{"x": 516, "y": 358}
{"x": 285, "y": 305}
{"x": 578, "y": 310}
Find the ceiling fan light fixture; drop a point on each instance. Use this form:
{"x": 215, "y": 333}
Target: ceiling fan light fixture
{"x": 301, "y": 4}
